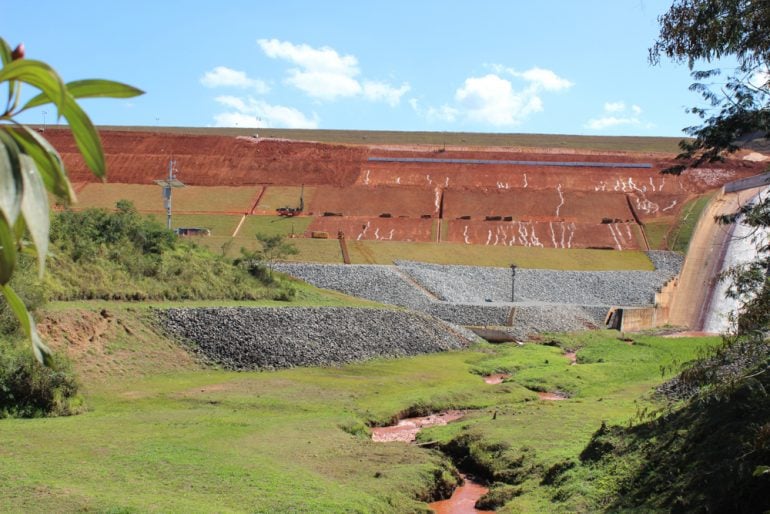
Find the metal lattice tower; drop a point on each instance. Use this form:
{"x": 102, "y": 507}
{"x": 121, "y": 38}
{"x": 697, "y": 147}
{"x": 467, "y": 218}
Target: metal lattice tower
{"x": 167, "y": 184}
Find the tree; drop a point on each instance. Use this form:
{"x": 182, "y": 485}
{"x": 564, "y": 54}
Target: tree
{"x": 274, "y": 248}
{"x": 30, "y": 167}
{"x": 696, "y": 31}
{"x": 259, "y": 263}
{"x": 701, "y": 32}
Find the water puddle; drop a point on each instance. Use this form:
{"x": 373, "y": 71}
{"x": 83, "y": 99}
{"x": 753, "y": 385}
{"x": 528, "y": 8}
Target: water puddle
{"x": 406, "y": 429}
{"x": 496, "y": 378}
{"x": 552, "y": 396}
{"x": 463, "y": 499}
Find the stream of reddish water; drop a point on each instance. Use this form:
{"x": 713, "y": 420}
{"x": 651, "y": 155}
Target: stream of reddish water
{"x": 463, "y": 499}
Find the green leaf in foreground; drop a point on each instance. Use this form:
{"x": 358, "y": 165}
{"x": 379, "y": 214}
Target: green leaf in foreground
{"x": 39, "y": 75}
{"x": 90, "y": 88}
{"x": 7, "y": 251}
{"x": 47, "y": 159}
{"x": 34, "y": 207}
{"x": 10, "y": 178}
{"x": 85, "y": 135}
{"x": 42, "y": 352}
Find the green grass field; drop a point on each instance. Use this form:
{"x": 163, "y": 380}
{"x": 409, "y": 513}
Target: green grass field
{"x": 221, "y": 225}
{"x": 163, "y": 434}
{"x": 385, "y": 252}
{"x": 657, "y": 232}
{"x": 274, "y": 225}
{"x": 439, "y": 139}
{"x": 681, "y": 233}
{"x": 147, "y": 198}
{"x": 276, "y": 197}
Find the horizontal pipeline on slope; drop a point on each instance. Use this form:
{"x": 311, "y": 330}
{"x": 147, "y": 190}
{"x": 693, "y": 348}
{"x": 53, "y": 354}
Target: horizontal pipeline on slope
{"x": 574, "y": 164}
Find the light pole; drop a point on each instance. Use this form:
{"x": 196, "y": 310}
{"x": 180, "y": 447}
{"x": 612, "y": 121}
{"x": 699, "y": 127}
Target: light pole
{"x": 44, "y": 113}
{"x": 513, "y": 283}
{"x": 167, "y": 185}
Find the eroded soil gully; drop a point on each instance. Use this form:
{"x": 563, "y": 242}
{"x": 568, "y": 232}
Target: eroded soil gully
{"x": 406, "y": 429}
{"x": 496, "y": 378}
{"x": 463, "y": 499}
{"x": 465, "y": 496}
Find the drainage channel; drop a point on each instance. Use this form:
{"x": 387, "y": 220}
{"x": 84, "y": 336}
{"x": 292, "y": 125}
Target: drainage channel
{"x": 465, "y": 496}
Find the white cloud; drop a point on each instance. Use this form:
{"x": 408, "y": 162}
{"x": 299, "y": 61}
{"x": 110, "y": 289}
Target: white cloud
{"x": 541, "y": 78}
{"x": 258, "y": 113}
{"x": 614, "y": 107}
{"x": 445, "y": 113}
{"x": 610, "y": 121}
{"x": 322, "y": 85}
{"x": 617, "y": 114}
{"x": 492, "y": 99}
{"x": 324, "y": 74}
{"x": 232, "y": 101}
{"x": 380, "y": 91}
{"x": 222, "y": 76}
{"x": 505, "y": 97}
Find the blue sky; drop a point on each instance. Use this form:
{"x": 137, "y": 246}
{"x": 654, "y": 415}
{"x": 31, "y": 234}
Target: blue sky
{"x": 551, "y": 66}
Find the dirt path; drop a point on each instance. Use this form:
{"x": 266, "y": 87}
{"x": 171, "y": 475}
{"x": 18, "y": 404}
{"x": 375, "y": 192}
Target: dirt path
{"x": 704, "y": 261}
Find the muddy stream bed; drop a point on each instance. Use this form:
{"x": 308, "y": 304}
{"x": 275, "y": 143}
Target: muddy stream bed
{"x": 465, "y": 496}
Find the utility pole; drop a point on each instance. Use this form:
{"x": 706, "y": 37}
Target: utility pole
{"x": 513, "y": 283}
{"x": 167, "y": 184}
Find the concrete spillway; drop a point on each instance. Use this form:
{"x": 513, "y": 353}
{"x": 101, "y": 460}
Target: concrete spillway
{"x": 742, "y": 247}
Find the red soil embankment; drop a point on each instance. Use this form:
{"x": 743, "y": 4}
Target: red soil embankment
{"x": 142, "y": 157}
{"x": 597, "y": 200}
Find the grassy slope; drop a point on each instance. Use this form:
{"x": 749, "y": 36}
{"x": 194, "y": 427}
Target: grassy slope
{"x": 163, "y": 434}
{"x": 674, "y": 233}
{"x": 386, "y": 252}
{"x": 682, "y": 232}
{"x": 439, "y": 139}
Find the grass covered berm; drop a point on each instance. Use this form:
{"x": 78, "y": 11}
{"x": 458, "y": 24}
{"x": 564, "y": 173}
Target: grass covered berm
{"x": 165, "y": 433}
{"x": 120, "y": 255}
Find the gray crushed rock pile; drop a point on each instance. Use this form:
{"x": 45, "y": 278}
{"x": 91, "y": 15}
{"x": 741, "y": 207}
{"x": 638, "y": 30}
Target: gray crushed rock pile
{"x": 546, "y": 300}
{"x": 473, "y": 284}
{"x": 373, "y": 282}
{"x": 269, "y": 338}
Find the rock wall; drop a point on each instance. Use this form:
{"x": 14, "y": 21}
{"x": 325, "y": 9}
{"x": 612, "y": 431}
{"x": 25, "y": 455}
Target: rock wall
{"x": 269, "y": 338}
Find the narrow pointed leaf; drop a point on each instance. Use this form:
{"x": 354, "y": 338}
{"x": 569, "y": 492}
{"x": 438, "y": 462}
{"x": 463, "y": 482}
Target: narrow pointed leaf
{"x": 39, "y": 75}
{"x": 18, "y": 308}
{"x": 6, "y": 56}
{"x": 5, "y": 52}
{"x": 86, "y": 137}
{"x": 91, "y": 88}
{"x": 42, "y": 352}
{"x": 47, "y": 159}
{"x": 34, "y": 208}
{"x": 10, "y": 178}
{"x": 7, "y": 251}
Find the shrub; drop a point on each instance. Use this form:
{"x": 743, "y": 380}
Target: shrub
{"x": 29, "y": 389}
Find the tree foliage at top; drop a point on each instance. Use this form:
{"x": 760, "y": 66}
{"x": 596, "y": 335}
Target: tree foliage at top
{"x": 738, "y": 108}
{"x": 703, "y": 31}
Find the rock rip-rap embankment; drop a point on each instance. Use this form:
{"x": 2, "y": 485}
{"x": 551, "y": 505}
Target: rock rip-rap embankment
{"x": 270, "y": 338}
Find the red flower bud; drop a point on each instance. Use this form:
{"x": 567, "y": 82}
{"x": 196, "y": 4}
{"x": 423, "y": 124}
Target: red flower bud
{"x": 18, "y": 52}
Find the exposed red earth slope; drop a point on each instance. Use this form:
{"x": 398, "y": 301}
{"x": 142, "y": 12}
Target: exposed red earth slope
{"x": 532, "y": 204}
